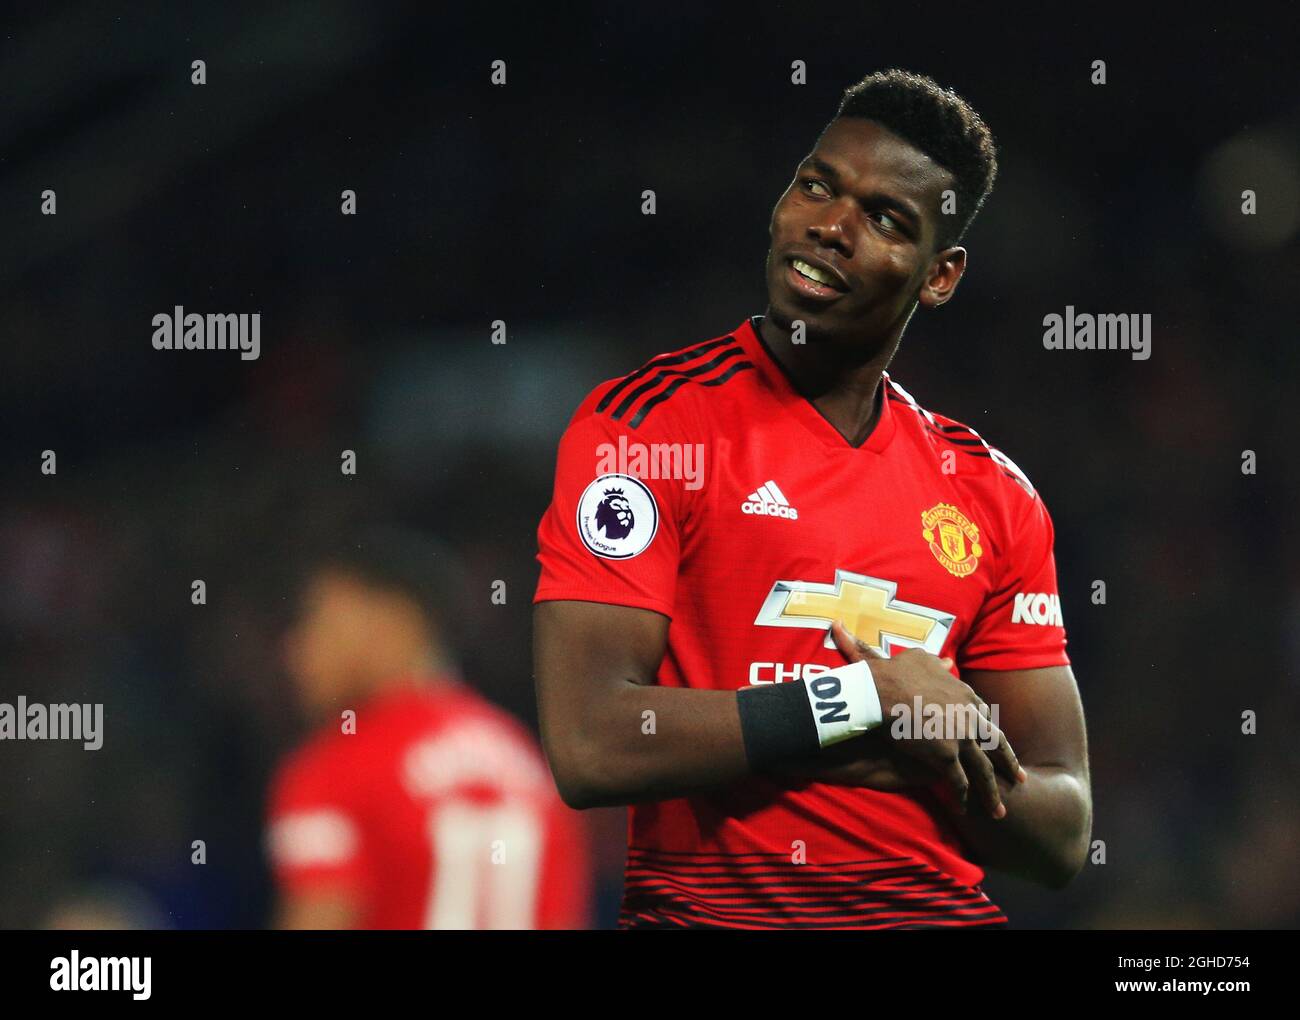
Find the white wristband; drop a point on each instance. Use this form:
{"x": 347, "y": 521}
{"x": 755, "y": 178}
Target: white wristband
{"x": 844, "y": 702}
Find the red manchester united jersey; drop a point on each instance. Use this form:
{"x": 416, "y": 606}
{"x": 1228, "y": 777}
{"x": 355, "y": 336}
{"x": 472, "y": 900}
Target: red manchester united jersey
{"x": 437, "y": 812}
{"x": 703, "y": 486}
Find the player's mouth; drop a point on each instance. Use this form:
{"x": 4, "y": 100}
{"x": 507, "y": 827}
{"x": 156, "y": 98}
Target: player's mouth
{"x": 813, "y": 280}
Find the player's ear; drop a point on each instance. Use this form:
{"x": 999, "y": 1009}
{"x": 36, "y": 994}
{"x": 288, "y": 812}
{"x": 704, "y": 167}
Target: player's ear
{"x": 942, "y": 277}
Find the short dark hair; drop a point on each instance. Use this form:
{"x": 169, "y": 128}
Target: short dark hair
{"x": 939, "y": 123}
{"x": 391, "y": 558}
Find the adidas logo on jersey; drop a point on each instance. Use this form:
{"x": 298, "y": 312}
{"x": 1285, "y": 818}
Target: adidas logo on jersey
{"x": 769, "y": 501}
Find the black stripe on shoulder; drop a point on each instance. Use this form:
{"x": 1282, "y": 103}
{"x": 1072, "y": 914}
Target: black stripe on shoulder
{"x": 966, "y": 440}
{"x": 972, "y": 443}
{"x": 662, "y": 361}
{"x": 957, "y": 434}
{"x": 676, "y": 384}
{"x": 986, "y": 451}
{"x": 685, "y": 373}
{"x": 927, "y": 416}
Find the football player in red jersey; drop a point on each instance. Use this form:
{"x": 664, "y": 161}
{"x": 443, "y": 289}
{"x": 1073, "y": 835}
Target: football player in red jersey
{"x": 731, "y": 649}
{"x": 416, "y": 804}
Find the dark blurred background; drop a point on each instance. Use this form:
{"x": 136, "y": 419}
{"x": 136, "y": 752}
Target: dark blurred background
{"x": 522, "y": 203}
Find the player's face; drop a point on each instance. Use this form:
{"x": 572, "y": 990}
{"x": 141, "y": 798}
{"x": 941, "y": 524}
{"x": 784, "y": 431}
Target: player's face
{"x": 320, "y": 648}
{"x": 864, "y": 207}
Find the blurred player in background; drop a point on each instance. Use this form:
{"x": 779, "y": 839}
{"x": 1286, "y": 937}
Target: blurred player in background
{"x": 416, "y": 803}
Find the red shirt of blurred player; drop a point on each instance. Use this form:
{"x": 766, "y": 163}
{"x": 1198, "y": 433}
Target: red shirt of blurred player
{"x": 427, "y": 808}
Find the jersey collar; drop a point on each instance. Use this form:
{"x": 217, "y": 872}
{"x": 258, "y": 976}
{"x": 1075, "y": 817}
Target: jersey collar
{"x": 803, "y": 409}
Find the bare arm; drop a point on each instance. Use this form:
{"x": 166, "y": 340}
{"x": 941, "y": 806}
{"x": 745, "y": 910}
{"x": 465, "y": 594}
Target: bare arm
{"x": 595, "y": 669}
{"x": 613, "y": 738}
{"x": 1045, "y": 834}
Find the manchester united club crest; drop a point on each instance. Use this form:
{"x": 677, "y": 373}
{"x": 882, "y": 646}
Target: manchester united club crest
{"x": 953, "y": 538}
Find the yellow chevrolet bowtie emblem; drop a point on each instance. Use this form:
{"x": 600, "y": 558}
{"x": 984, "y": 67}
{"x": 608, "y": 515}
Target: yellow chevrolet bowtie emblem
{"x": 867, "y": 605}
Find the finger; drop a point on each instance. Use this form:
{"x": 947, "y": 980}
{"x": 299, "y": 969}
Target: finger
{"x": 955, "y": 776}
{"x": 851, "y": 647}
{"x": 994, "y": 742}
{"x": 846, "y": 642}
{"x": 1002, "y": 756}
{"x": 983, "y": 779}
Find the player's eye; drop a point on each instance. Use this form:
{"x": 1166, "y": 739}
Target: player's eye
{"x": 813, "y": 182}
{"x": 894, "y": 226}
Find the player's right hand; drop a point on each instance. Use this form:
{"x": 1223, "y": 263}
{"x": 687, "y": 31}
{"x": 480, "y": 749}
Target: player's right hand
{"x": 967, "y": 767}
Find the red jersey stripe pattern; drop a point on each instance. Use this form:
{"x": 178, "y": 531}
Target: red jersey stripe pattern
{"x": 765, "y": 890}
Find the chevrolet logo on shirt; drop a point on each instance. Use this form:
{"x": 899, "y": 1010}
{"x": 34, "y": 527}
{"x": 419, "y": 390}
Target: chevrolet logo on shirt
{"x": 868, "y": 607}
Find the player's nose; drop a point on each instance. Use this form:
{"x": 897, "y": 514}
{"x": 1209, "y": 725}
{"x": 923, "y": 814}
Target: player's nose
{"x": 832, "y": 231}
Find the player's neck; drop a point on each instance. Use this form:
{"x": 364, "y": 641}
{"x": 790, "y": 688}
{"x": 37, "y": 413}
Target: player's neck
{"x": 421, "y": 669}
{"x": 836, "y": 379}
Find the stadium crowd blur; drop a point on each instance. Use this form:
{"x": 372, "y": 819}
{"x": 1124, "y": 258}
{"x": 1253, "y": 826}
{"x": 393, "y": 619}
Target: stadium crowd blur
{"x": 522, "y": 203}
